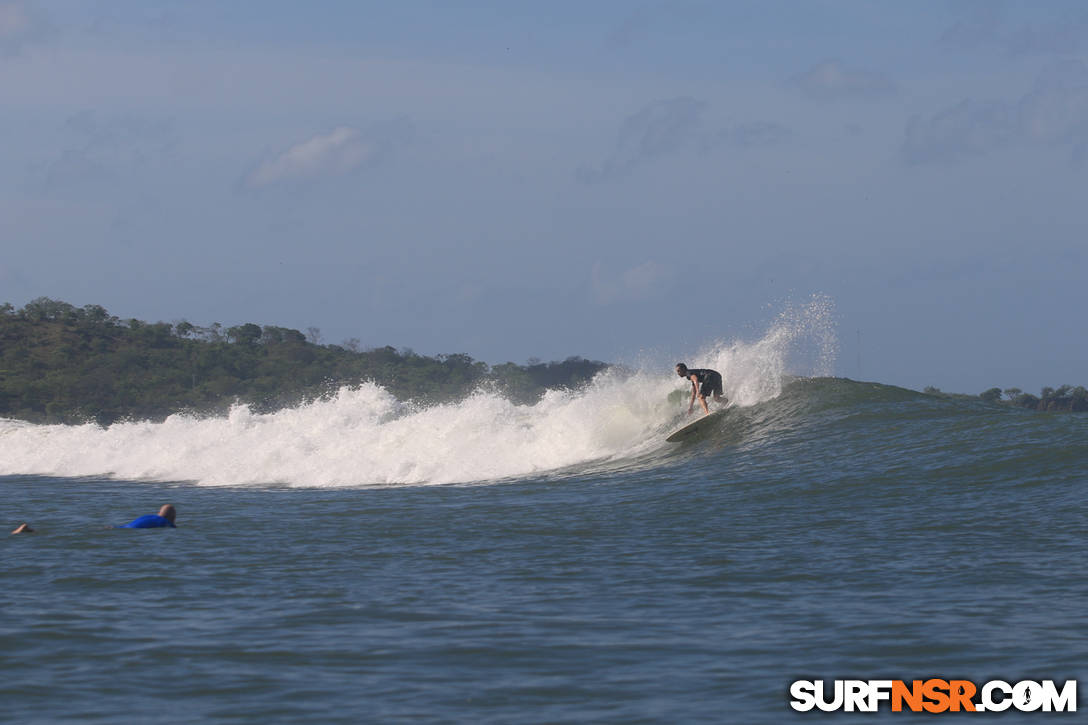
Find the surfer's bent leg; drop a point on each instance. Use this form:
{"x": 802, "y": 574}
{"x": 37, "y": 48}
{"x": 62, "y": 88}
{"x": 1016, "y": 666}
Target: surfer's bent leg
{"x": 702, "y": 399}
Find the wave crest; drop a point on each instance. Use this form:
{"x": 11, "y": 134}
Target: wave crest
{"x": 363, "y": 436}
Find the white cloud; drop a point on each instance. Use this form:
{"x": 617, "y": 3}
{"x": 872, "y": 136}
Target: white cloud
{"x": 831, "y": 80}
{"x": 336, "y": 153}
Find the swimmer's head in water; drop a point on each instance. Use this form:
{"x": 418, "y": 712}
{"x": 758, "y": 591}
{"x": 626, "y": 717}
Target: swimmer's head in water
{"x": 168, "y": 512}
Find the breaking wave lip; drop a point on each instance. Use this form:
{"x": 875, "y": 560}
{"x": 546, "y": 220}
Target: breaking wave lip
{"x": 362, "y": 436}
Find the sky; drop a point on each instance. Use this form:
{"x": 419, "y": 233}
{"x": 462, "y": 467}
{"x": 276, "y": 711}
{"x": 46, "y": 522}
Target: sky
{"x": 619, "y": 180}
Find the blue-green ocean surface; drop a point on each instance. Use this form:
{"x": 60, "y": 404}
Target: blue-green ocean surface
{"x": 837, "y": 530}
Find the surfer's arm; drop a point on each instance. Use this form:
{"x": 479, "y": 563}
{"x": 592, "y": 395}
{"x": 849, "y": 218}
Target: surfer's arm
{"x": 694, "y": 389}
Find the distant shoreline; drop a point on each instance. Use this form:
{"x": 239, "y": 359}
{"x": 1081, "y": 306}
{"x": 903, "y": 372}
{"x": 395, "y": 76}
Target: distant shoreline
{"x": 1064, "y": 399}
{"x": 65, "y": 364}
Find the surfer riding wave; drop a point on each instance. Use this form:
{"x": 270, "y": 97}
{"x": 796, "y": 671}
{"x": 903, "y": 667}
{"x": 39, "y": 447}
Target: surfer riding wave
{"x": 704, "y": 382}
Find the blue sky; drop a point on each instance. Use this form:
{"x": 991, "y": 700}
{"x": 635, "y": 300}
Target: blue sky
{"x": 607, "y": 179}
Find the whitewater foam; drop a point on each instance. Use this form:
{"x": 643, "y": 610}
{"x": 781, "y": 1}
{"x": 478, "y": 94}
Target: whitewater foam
{"x": 364, "y": 436}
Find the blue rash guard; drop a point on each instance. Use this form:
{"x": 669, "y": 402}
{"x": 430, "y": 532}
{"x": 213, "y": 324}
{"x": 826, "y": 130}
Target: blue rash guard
{"x": 151, "y": 521}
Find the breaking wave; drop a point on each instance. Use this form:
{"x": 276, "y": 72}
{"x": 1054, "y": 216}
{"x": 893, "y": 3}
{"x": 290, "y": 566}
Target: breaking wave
{"x": 363, "y": 436}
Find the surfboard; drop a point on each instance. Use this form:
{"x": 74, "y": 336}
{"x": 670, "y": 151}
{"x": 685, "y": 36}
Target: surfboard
{"x": 701, "y": 424}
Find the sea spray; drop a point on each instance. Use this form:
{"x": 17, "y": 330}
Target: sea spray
{"x": 363, "y": 436}
{"x": 801, "y": 341}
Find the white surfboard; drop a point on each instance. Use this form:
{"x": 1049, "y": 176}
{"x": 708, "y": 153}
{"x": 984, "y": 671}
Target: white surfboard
{"x": 701, "y": 424}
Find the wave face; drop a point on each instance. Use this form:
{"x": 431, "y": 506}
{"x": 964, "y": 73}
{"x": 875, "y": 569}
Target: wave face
{"x": 363, "y": 436}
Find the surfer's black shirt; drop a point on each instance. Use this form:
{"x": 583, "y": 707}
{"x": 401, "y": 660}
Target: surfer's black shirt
{"x": 710, "y": 381}
{"x": 702, "y": 374}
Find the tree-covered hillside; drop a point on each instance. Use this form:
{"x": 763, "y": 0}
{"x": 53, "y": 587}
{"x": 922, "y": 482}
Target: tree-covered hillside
{"x": 1064, "y": 399}
{"x": 61, "y": 363}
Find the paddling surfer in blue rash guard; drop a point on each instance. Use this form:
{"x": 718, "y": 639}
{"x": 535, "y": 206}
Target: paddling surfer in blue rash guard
{"x": 704, "y": 382}
{"x": 164, "y": 519}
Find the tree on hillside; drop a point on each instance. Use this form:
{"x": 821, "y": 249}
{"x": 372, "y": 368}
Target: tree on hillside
{"x": 59, "y": 363}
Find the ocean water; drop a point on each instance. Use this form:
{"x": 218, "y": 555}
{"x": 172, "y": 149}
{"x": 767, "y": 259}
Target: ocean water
{"x": 360, "y": 560}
